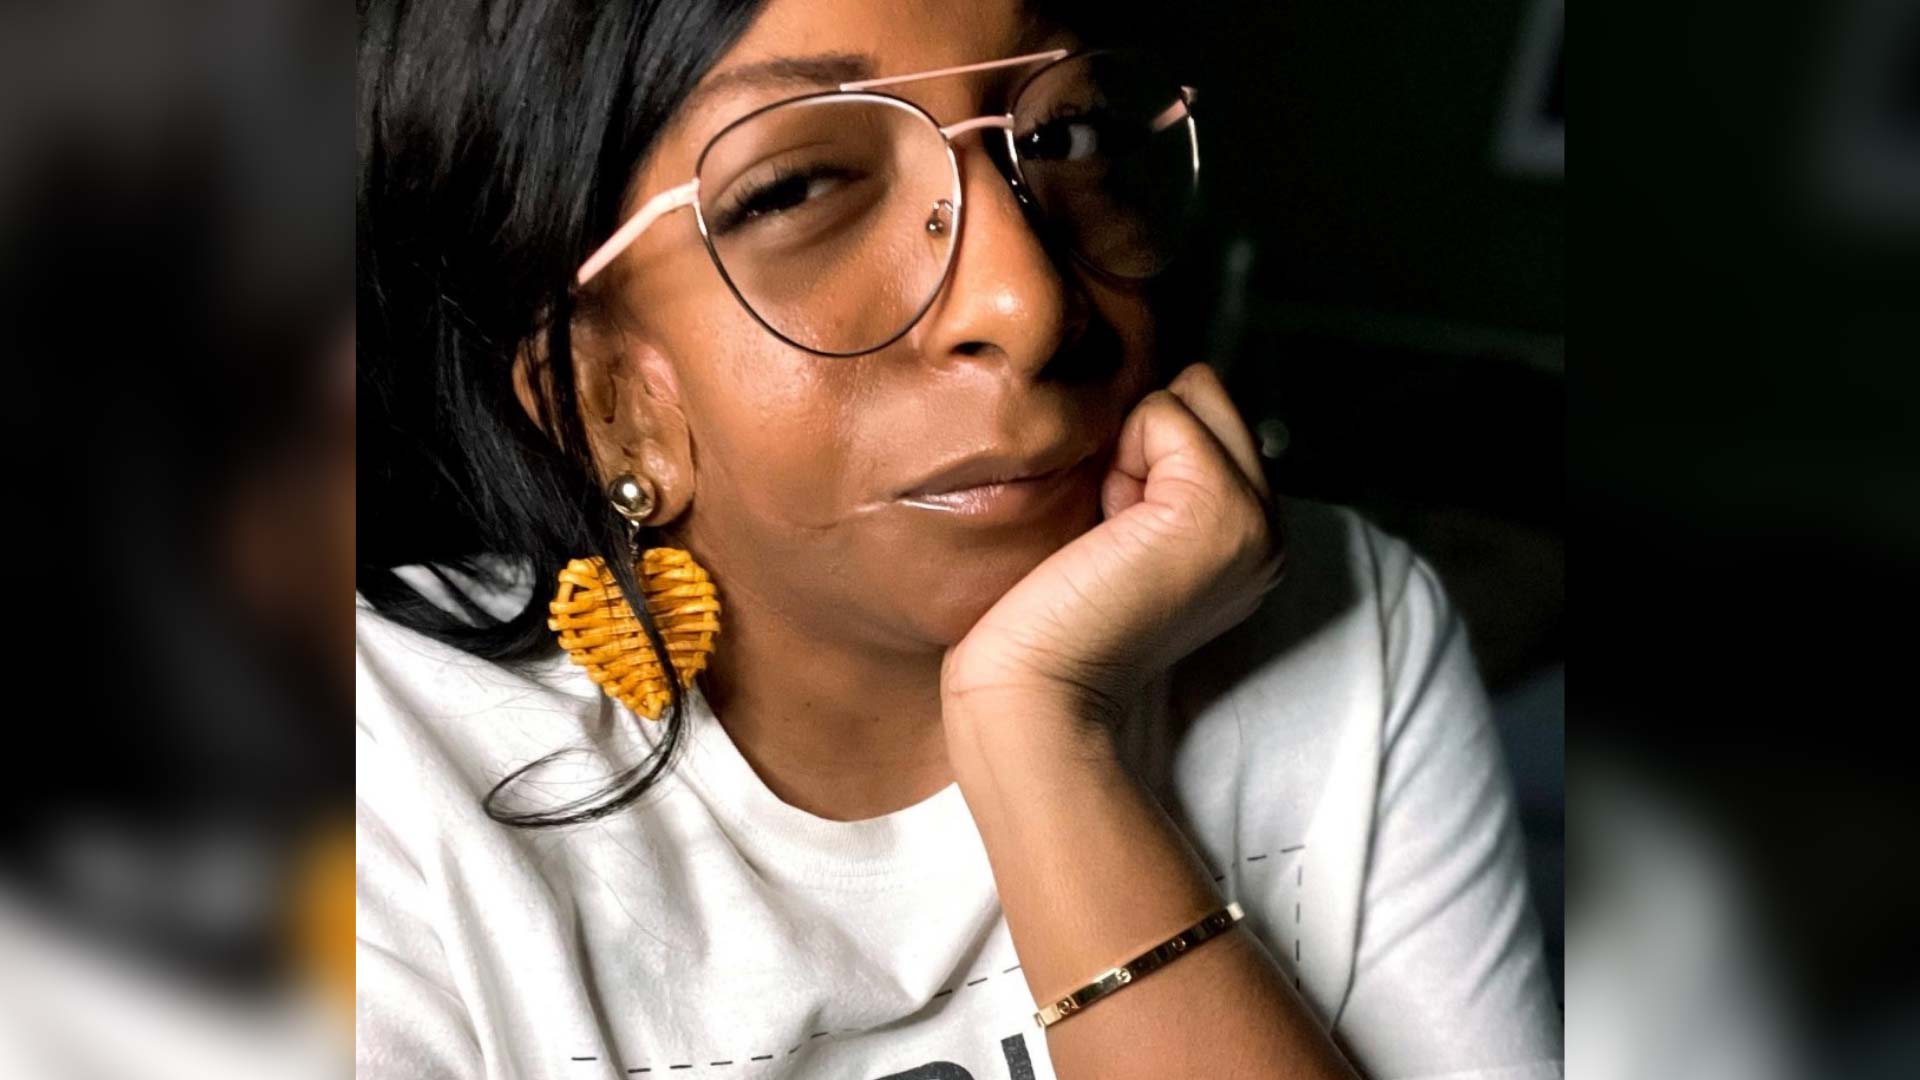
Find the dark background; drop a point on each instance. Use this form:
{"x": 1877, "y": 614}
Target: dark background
{"x": 1382, "y": 281}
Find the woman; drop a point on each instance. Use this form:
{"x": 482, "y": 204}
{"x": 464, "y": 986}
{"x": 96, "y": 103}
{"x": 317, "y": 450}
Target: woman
{"x": 846, "y": 302}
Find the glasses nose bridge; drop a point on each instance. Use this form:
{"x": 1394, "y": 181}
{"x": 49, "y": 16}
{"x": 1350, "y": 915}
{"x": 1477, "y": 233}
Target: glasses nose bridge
{"x": 990, "y": 123}
{"x": 1002, "y": 121}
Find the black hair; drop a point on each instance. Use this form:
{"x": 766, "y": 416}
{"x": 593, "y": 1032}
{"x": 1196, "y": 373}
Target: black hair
{"x": 494, "y": 145}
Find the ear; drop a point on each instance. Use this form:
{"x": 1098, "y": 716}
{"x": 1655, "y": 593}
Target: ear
{"x": 630, "y": 406}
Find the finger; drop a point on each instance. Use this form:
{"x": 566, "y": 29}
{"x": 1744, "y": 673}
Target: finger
{"x": 1164, "y": 446}
{"x": 1159, "y": 428}
{"x": 1200, "y": 389}
{"x": 1119, "y": 491}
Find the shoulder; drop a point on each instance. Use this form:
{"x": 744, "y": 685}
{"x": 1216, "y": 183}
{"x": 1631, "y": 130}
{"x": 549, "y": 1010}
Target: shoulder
{"x": 436, "y": 721}
{"x": 1357, "y": 602}
{"x": 1286, "y": 717}
{"x": 405, "y": 677}
{"x": 1292, "y": 714}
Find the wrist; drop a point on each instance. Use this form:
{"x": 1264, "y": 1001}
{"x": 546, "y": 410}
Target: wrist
{"x": 1009, "y": 732}
{"x": 1078, "y": 692}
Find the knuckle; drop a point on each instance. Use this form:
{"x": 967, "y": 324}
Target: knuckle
{"x": 1196, "y": 374}
{"x": 1246, "y": 528}
{"x": 1164, "y": 400}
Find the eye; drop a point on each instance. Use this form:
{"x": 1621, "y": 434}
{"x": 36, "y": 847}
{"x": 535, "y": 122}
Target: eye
{"x": 780, "y": 193}
{"x": 1068, "y": 138}
{"x": 1093, "y": 135}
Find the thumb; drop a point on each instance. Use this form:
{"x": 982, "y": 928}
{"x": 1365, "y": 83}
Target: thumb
{"x": 1118, "y": 492}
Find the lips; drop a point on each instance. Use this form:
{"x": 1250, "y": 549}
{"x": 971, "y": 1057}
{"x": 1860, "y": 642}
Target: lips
{"x": 1003, "y": 489}
{"x": 992, "y": 468}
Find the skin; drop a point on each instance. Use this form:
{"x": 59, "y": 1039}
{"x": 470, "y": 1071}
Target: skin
{"x": 775, "y": 466}
{"x": 873, "y": 652}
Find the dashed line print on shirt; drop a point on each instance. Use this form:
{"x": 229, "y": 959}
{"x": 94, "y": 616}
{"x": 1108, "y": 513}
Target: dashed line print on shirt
{"x": 1299, "y": 880}
{"x": 1013, "y": 1048}
{"x": 1222, "y": 875}
{"x": 1019, "y": 1064}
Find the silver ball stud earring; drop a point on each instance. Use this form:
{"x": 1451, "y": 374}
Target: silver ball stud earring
{"x": 633, "y": 497}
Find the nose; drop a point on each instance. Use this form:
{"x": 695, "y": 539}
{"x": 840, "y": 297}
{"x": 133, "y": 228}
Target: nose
{"x": 1006, "y": 299}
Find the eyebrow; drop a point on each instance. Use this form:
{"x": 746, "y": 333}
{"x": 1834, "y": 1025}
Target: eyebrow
{"x": 825, "y": 70}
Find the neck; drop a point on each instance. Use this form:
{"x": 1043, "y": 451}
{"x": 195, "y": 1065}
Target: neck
{"x": 842, "y": 732}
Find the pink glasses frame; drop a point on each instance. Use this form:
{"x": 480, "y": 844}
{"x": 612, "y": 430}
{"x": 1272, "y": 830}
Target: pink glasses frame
{"x": 688, "y": 194}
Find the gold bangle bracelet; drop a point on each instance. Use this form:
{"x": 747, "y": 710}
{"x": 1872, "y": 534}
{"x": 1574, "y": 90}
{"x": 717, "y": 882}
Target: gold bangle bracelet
{"x": 1152, "y": 960}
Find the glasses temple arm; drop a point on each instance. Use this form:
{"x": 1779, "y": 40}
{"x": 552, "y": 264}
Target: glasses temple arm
{"x": 1177, "y": 111}
{"x": 936, "y": 73}
{"x": 667, "y": 201}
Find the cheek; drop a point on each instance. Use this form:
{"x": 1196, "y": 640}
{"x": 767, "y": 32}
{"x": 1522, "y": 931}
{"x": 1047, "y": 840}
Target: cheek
{"x": 769, "y": 427}
{"x": 772, "y": 435}
{"x": 1127, "y": 315}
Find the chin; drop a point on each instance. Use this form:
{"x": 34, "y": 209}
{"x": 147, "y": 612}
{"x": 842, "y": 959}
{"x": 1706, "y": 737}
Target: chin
{"x": 968, "y": 584}
{"x": 968, "y": 593}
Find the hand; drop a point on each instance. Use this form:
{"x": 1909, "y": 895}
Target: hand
{"x": 1189, "y": 547}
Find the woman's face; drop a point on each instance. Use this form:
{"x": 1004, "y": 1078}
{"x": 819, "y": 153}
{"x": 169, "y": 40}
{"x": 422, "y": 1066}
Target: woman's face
{"x": 797, "y": 463}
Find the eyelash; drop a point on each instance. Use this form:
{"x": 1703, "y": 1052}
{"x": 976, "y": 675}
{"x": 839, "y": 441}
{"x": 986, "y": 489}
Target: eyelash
{"x": 739, "y": 210}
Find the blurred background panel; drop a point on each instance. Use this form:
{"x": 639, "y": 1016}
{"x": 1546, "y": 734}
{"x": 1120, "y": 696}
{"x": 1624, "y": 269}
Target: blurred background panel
{"x": 176, "y": 321}
{"x": 1747, "y": 426}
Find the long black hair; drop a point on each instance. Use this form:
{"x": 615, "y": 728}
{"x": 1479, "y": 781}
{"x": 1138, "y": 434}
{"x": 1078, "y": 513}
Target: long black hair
{"x": 494, "y": 143}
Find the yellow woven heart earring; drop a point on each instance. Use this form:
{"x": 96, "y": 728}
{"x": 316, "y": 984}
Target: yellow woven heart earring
{"x": 598, "y": 628}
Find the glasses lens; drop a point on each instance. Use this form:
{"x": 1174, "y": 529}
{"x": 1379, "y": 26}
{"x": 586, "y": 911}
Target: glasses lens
{"x": 832, "y": 218}
{"x": 1106, "y": 146}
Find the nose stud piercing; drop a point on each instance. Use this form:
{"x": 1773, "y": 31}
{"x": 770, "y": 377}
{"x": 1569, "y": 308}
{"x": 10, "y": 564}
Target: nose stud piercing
{"x": 942, "y": 214}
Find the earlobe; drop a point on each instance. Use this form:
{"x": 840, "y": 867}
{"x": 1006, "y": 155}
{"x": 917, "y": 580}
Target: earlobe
{"x": 630, "y": 403}
{"x": 664, "y": 459}
{"x": 665, "y": 451}
{"x": 647, "y": 431}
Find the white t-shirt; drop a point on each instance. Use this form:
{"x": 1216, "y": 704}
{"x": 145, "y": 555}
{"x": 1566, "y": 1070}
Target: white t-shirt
{"x": 1332, "y": 758}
